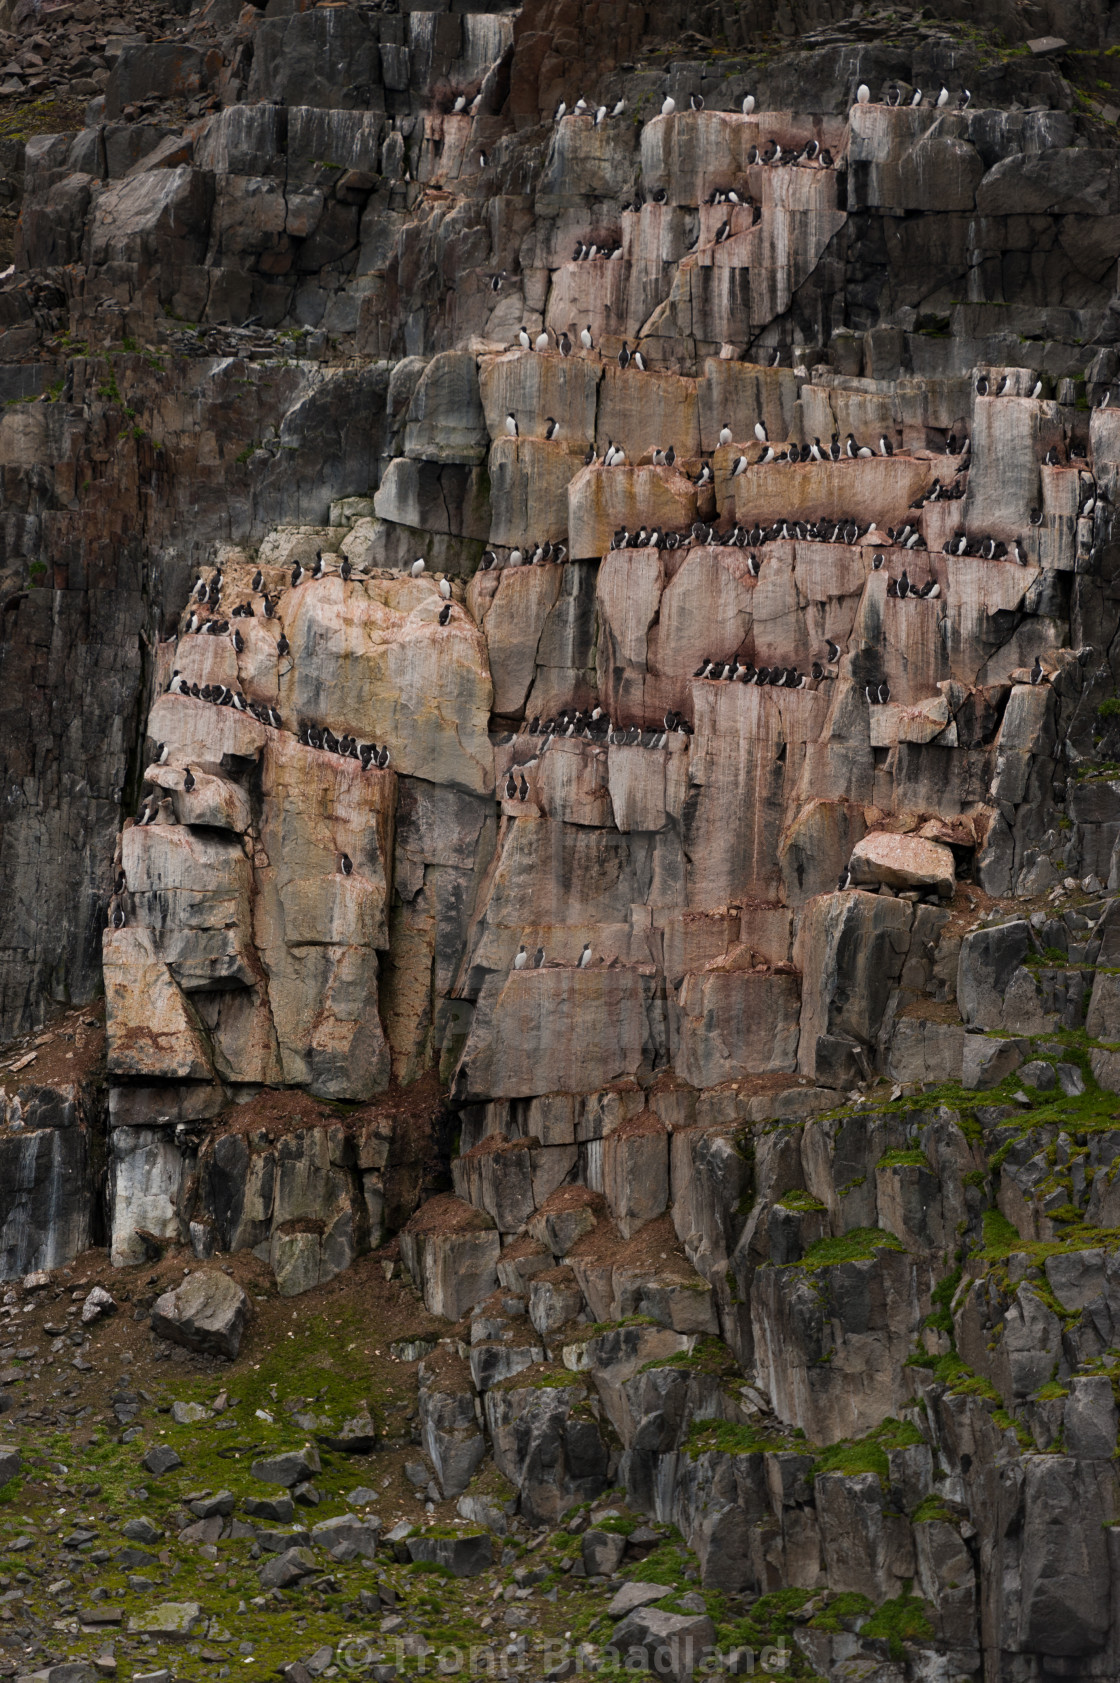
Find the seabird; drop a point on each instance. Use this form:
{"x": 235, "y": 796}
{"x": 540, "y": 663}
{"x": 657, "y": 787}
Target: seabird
{"x": 886, "y": 448}
{"x": 725, "y": 434}
{"x": 445, "y": 613}
{"x": 511, "y": 425}
{"x": 511, "y": 787}
{"x": 668, "y": 106}
{"x": 697, "y": 102}
{"x": 523, "y": 338}
{"x": 639, "y": 361}
{"x": 863, "y": 93}
{"x": 521, "y": 957}
{"x": 538, "y": 958}
{"x": 963, "y": 99}
{"x": 445, "y": 590}
{"x": 894, "y": 94}
{"x": 1036, "y": 390}
{"x": 565, "y": 342}
{"x": 269, "y": 607}
{"x": 739, "y": 466}
{"x": 317, "y": 566}
{"x": 982, "y": 386}
{"x": 943, "y": 99}
{"x": 1037, "y": 674}
{"x": 833, "y": 650}
{"x": 760, "y": 432}
{"x": 238, "y": 640}
{"x": 1051, "y": 457}
{"x": 417, "y": 567}
{"x": 876, "y": 563}
{"x": 540, "y": 343}
{"x": 188, "y": 780}
{"x": 618, "y": 107}
{"x": 844, "y": 881}
{"x": 916, "y": 98}
{"x": 383, "y": 758}
{"x": 489, "y": 560}
{"x": 258, "y": 579}
{"x": 298, "y": 575}
{"x": 550, "y": 427}
{"x": 460, "y": 103}
{"x": 346, "y": 864}
{"x": 585, "y": 338}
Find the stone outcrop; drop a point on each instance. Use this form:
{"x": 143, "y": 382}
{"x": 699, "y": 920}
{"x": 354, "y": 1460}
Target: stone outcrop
{"x": 559, "y": 672}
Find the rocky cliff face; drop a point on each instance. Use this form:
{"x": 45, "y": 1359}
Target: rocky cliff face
{"x": 559, "y": 673}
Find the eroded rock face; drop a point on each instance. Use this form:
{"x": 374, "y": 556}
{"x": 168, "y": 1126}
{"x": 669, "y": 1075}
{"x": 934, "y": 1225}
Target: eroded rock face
{"x": 526, "y": 820}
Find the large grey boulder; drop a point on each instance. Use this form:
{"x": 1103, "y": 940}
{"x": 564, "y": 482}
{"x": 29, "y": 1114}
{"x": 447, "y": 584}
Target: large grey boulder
{"x": 208, "y": 1312}
{"x": 674, "y": 1645}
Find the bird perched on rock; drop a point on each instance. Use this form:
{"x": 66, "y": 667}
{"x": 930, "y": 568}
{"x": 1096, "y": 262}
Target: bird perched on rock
{"x": 345, "y": 864}
{"x": 585, "y": 955}
{"x": 489, "y": 559}
{"x": 417, "y": 567}
{"x": 511, "y": 425}
{"x": 585, "y": 338}
{"x": 863, "y": 93}
{"x": 445, "y": 613}
{"x": 258, "y": 580}
{"x": 521, "y": 957}
{"x": 725, "y": 434}
{"x": 739, "y": 466}
{"x": 982, "y": 386}
{"x": 345, "y": 570}
{"x": 540, "y": 343}
{"x": 188, "y": 780}
{"x": 551, "y": 427}
{"x": 916, "y": 98}
{"x": 748, "y": 105}
{"x": 963, "y": 99}
{"x": 298, "y": 575}
{"x": 668, "y": 106}
{"x": 1038, "y": 676}
{"x": 538, "y": 958}
{"x": 894, "y": 94}
{"x": 445, "y": 590}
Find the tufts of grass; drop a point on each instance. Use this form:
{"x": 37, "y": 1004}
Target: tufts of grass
{"x": 861, "y": 1244}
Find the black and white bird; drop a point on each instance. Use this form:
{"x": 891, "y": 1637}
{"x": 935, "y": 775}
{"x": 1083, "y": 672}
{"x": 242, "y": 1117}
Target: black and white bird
{"x": 863, "y": 93}
{"x": 188, "y": 780}
{"x": 521, "y": 957}
{"x": 540, "y": 343}
{"x": 417, "y": 567}
{"x": 894, "y": 94}
{"x": 1038, "y": 676}
{"x": 445, "y": 589}
{"x": 523, "y": 339}
{"x": 618, "y": 107}
{"x": 585, "y": 338}
{"x": 258, "y": 580}
{"x": 460, "y": 103}
{"x": 298, "y": 575}
{"x": 761, "y": 433}
{"x": 943, "y": 99}
{"x": 697, "y": 102}
{"x": 511, "y": 425}
{"x": 1018, "y": 553}
{"x": 886, "y": 448}
{"x": 748, "y": 105}
{"x": 739, "y": 466}
{"x": 982, "y": 386}
{"x": 963, "y": 99}
{"x": 585, "y": 955}
{"x": 551, "y": 427}
{"x": 345, "y": 864}
{"x": 445, "y": 613}
{"x": 916, "y": 98}
{"x": 668, "y": 106}
{"x": 725, "y": 434}
{"x": 623, "y": 356}
{"x": 538, "y": 958}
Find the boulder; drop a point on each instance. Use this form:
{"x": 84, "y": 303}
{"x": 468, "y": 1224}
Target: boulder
{"x": 287, "y": 1569}
{"x": 464, "y": 1556}
{"x": 292, "y": 1468}
{"x": 208, "y": 1312}
{"x": 903, "y": 862}
{"x": 674, "y": 1645}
